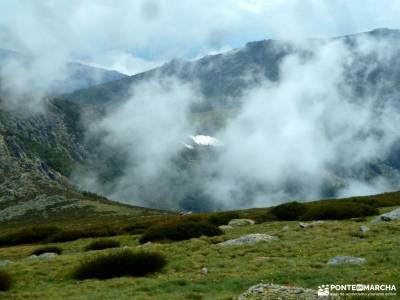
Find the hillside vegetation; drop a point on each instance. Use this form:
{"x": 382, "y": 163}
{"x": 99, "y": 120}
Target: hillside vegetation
{"x": 199, "y": 268}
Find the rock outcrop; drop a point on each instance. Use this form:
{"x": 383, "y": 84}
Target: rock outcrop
{"x": 240, "y": 222}
{"x": 390, "y": 216}
{"x": 270, "y": 291}
{"x": 249, "y": 239}
{"x": 346, "y": 260}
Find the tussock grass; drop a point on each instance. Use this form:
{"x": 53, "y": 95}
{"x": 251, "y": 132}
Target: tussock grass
{"x": 75, "y": 234}
{"x": 289, "y": 211}
{"x": 338, "y": 211}
{"x": 118, "y": 264}
{"x": 47, "y": 249}
{"x": 179, "y": 230}
{"x": 29, "y": 235}
{"x": 102, "y": 244}
{"x": 5, "y": 281}
{"x": 222, "y": 218}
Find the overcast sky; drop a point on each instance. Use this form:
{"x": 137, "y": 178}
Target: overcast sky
{"x": 132, "y": 36}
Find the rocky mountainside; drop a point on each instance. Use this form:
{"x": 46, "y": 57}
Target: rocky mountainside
{"x": 38, "y": 148}
{"x": 38, "y": 152}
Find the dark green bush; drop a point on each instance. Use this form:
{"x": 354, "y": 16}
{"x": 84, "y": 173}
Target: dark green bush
{"x": 5, "y": 281}
{"x": 47, "y": 249}
{"x": 75, "y": 234}
{"x": 377, "y": 202}
{"x": 29, "y": 235}
{"x": 52, "y": 234}
{"x": 179, "y": 231}
{"x": 263, "y": 217}
{"x": 223, "y": 218}
{"x": 289, "y": 211}
{"x": 338, "y": 211}
{"x": 121, "y": 263}
{"x": 102, "y": 244}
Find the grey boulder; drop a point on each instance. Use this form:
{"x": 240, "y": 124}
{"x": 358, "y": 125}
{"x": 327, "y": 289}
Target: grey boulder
{"x": 249, "y": 239}
{"x": 346, "y": 260}
{"x": 240, "y": 222}
{"x": 263, "y": 291}
{"x": 47, "y": 255}
{"x": 390, "y": 216}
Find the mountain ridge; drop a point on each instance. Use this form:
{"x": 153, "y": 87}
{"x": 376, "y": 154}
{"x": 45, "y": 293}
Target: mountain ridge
{"x": 77, "y": 75}
{"x": 259, "y": 56}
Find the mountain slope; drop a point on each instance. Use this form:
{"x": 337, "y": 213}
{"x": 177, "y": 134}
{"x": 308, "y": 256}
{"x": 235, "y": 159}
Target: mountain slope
{"x": 223, "y": 77}
{"x": 369, "y": 73}
{"x": 75, "y": 76}
{"x": 38, "y": 152}
{"x": 41, "y": 151}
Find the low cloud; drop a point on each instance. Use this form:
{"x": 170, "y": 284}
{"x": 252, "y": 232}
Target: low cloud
{"x": 308, "y": 135}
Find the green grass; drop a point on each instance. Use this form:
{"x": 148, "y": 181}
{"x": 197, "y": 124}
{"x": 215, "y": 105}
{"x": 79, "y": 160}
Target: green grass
{"x": 297, "y": 258}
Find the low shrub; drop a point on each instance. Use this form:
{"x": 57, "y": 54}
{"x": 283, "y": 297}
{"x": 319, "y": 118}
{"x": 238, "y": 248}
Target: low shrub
{"x": 263, "y": 217}
{"x": 289, "y": 211}
{"x": 338, "y": 211}
{"x": 47, "y": 249}
{"x": 75, "y": 234}
{"x": 30, "y": 235}
{"x": 377, "y": 202}
{"x": 179, "y": 231}
{"x": 5, "y": 281}
{"x": 102, "y": 244}
{"x": 223, "y": 218}
{"x": 118, "y": 264}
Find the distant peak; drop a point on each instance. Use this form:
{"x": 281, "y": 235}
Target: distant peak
{"x": 385, "y": 32}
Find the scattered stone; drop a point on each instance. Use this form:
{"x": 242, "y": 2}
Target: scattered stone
{"x": 145, "y": 244}
{"x": 364, "y": 228}
{"x": 348, "y": 260}
{"x": 241, "y": 222}
{"x": 261, "y": 258}
{"x": 47, "y": 255}
{"x": 312, "y": 224}
{"x": 390, "y": 216}
{"x": 5, "y": 262}
{"x": 303, "y": 225}
{"x": 249, "y": 239}
{"x": 204, "y": 271}
{"x": 264, "y": 291}
{"x": 286, "y": 227}
{"x": 225, "y": 227}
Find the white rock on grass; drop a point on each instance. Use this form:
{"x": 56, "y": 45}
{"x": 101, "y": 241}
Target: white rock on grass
{"x": 241, "y": 222}
{"x": 364, "y": 228}
{"x": 5, "y": 262}
{"x": 47, "y": 255}
{"x": 390, "y": 216}
{"x": 249, "y": 239}
{"x": 225, "y": 227}
{"x": 271, "y": 291}
{"x": 346, "y": 260}
{"x": 312, "y": 224}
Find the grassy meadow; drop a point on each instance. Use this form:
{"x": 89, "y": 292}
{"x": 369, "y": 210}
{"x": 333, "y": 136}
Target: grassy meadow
{"x": 297, "y": 258}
